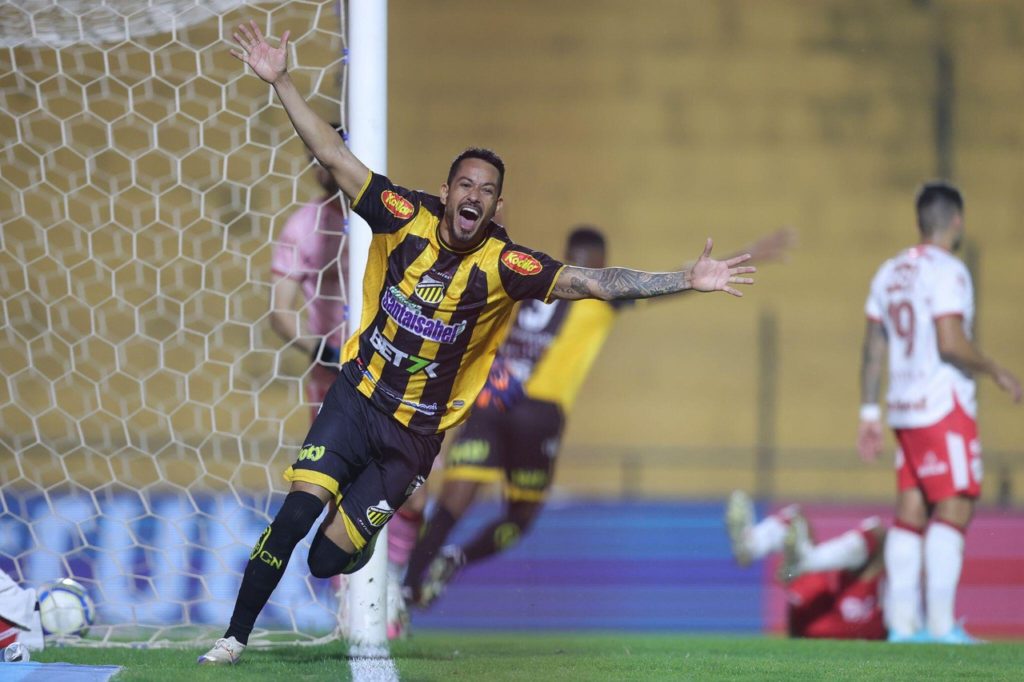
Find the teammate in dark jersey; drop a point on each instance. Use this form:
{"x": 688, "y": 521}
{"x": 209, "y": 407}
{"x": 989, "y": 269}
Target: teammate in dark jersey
{"x": 515, "y": 431}
{"x": 441, "y": 283}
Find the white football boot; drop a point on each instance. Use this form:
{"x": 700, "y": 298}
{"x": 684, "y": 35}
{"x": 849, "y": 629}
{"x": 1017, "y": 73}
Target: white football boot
{"x": 225, "y": 651}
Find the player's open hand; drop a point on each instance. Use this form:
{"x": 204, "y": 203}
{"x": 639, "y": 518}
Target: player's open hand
{"x": 774, "y": 246}
{"x": 869, "y": 439}
{"x": 708, "y": 274}
{"x": 267, "y": 62}
{"x": 1008, "y": 382}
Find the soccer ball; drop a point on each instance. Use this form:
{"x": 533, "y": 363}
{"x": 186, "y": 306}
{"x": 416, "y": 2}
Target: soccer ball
{"x": 65, "y": 608}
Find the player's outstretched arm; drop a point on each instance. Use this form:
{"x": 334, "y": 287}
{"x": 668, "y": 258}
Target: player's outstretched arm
{"x": 869, "y": 433}
{"x": 956, "y": 349}
{"x": 271, "y": 64}
{"x": 610, "y": 284}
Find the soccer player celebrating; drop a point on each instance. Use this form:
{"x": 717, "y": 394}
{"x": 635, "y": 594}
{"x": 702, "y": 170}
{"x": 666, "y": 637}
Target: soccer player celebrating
{"x": 832, "y": 588}
{"x": 515, "y": 430}
{"x": 441, "y": 283}
{"x": 921, "y": 308}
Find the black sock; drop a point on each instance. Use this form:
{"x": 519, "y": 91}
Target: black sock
{"x": 269, "y": 558}
{"x": 434, "y": 535}
{"x": 494, "y": 538}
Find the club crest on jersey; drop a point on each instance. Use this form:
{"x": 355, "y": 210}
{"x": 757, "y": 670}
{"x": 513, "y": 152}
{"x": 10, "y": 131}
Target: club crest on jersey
{"x": 379, "y": 513}
{"x": 396, "y": 204}
{"x": 520, "y": 262}
{"x": 429, "y": 290}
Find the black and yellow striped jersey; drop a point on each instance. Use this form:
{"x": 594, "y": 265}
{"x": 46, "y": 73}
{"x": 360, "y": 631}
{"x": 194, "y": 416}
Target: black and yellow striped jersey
{"x": 432, "y": 317}
{"x": 551, "y": 346}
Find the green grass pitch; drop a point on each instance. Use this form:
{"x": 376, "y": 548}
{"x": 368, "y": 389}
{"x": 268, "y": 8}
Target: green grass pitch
{"x": 459, "y": 655}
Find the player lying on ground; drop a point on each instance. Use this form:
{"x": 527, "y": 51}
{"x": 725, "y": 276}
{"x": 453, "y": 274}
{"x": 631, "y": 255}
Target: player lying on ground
{"x": 514, "y": 434}
{"x": 441, "y": 283}
{"x": 833, "y": 587}
{"x": 19, "y": 615}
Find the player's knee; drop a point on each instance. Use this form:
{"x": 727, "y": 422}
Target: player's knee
{"x": 327, "y": 560}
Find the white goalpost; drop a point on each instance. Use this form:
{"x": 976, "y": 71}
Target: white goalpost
{"x": 147, "y": 409}
{"x": 367, "y": 121}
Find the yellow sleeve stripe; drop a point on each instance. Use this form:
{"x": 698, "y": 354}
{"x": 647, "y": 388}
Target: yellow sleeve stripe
{"x": 362, "y": 190}
{"x": 474, "y": 474}
{"x": 554, "y": 281}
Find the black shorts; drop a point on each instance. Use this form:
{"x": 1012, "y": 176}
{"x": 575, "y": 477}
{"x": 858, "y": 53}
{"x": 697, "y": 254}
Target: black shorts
{"x": 369, "y": 461}
{"x": 520, "y": 443}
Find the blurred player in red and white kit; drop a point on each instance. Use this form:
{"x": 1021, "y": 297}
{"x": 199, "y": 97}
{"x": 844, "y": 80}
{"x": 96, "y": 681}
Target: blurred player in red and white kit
{"x": 19, "y": 615}
{"x": 921, "y": 310}
{"x": 833, "y": 588}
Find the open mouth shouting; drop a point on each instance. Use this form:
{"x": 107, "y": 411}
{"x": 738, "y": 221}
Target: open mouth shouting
{"x": 467, "y": 218}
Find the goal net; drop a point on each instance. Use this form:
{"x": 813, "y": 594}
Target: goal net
{"x": 147, "y": 409}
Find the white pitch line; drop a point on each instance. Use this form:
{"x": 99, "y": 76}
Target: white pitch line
{"x": 372, "y": 664}
{"x": 373, "y": 670}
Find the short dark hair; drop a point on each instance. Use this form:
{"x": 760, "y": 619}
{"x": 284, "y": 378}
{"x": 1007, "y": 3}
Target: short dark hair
{"x": 484, "y": 155}
{"x": 938, "y": 202}
{"x": 586, "y": 236}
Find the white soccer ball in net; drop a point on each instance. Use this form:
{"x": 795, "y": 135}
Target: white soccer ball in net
{"x": 65, "y": 608}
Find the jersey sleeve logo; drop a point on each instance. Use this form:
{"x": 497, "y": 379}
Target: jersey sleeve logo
{"x": 396, "y": 204}
{"x": 520, "y": 262}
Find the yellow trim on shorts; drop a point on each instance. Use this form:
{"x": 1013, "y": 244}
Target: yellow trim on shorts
{"x": 291, "y": 474}
{"x": 517, "y": 494}
{"x": 353, "y": 532}
{"x": 474, "y": 473}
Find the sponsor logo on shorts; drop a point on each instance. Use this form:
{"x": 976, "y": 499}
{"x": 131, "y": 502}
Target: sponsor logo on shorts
{"x": 409, "y": 316}
{"x": 520, "y": 262}
{"x": 379, "y": 514}
{"x": 469, "y": 452}
{"x": 932, "y": 466}
{"x": 857, "y": 610}
{"x": 396, "y": 204}
{"x": 429, "y": 290}
{"x": 398, "y": 358}
{"x": 311, "y": 453}
{"x": 415, "y": 485}
{"x": 458, "y": 404}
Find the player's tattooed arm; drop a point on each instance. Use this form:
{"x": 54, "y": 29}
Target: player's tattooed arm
{"x": 869, "y": 432}
{"x": 611, "y": 284}
{"x": 872, "y": 362}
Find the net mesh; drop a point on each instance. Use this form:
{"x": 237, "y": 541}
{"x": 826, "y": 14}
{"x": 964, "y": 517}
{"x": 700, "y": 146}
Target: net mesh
{"x": 146, "y": 407}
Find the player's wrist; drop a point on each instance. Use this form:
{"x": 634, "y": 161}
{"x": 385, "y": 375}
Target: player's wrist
{"x": 870, "y": 412}
{"x": 325, "y": 352}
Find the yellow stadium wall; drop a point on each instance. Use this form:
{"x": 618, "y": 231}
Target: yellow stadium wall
{"x": 666, "y": 122}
